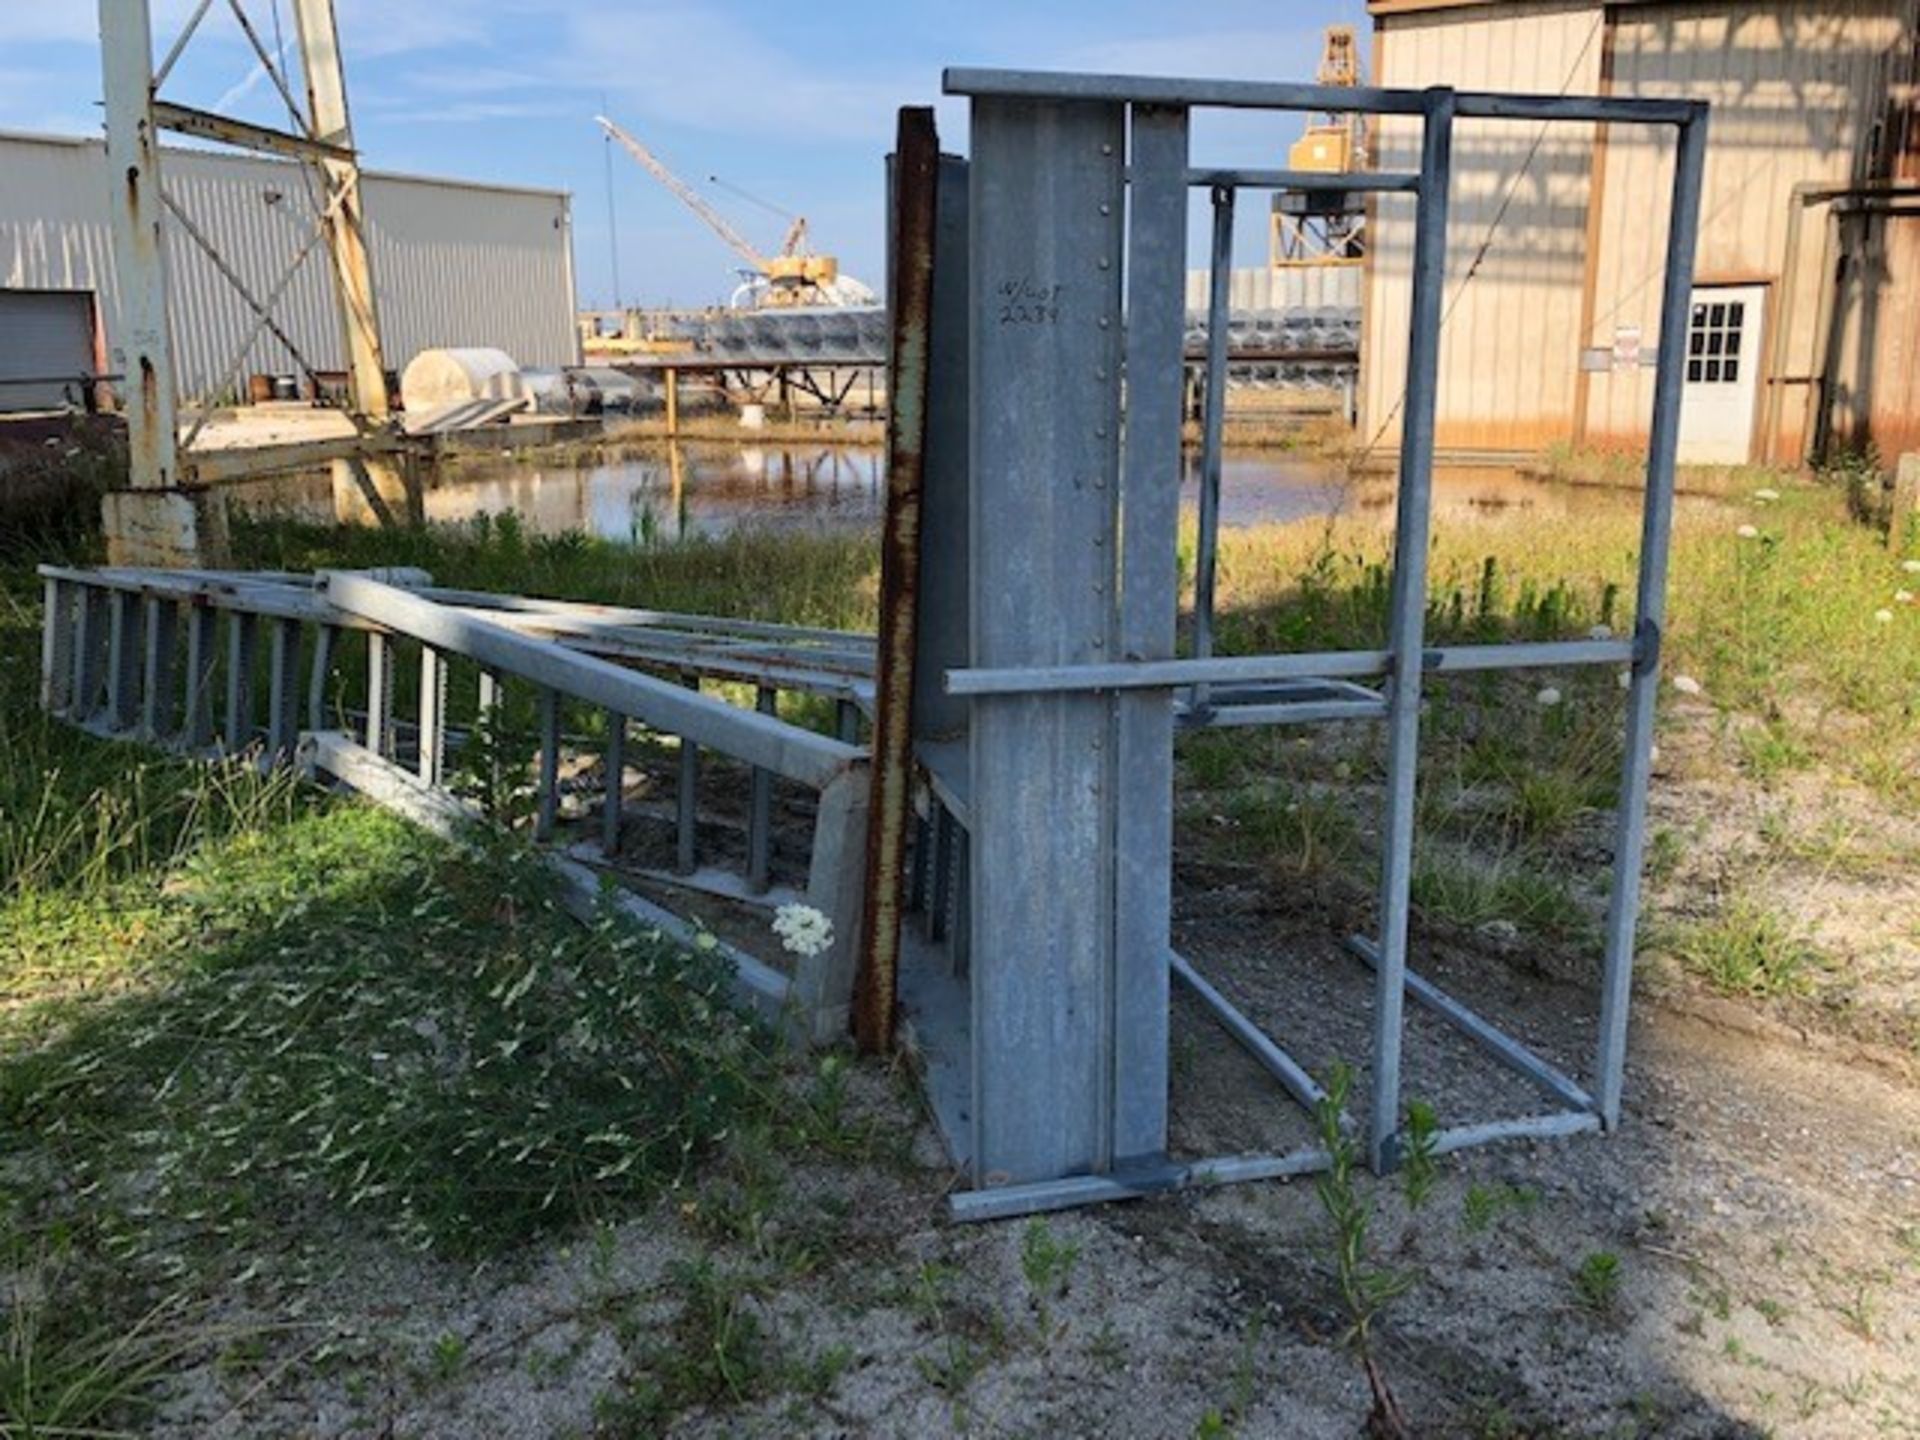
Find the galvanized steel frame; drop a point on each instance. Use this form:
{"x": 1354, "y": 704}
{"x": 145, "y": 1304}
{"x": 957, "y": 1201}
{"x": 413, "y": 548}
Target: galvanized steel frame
{"x": 112, "y": 663}
{"x": 1071, "y": 675}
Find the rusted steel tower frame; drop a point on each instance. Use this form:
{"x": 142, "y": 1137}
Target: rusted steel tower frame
{"x": 166, "y": 517}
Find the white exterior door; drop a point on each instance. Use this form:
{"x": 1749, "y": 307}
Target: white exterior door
{"x": 1723, "y": 374}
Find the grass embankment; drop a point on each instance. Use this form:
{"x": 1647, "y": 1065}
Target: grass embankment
{"x": 1792, "y": 663}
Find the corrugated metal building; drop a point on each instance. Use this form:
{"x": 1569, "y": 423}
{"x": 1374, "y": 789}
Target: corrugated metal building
{"x": 1806, "y": 304}
{"x": 454, "y": 263}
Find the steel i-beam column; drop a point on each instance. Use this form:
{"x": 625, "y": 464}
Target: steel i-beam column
{"x": 1047, "y": 197}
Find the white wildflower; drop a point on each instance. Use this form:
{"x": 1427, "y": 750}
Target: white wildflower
{"x": 1766, "y": 495}
{"x": 1686, "y": 684}
{"x": 1904, "y": 597}
{"x": 1600, "y": 632}
{"x": 1748, "y": 532}
{"x": 802, "y": 929}
{"x": 1912, "y": 567}
{"x": 705, "y": 941}
{"x": 1547, "y": 698}
{"x": 1885, "y": 617}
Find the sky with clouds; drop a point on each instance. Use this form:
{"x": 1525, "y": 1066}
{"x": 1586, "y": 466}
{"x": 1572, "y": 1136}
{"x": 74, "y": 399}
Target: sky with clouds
{"x": 791, "y": 103}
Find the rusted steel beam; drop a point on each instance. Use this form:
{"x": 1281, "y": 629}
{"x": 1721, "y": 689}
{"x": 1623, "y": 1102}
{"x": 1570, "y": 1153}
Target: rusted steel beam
{"x": 915, "y": 170}
{"x": 346, "y": 230}
{"x": 208, "y": 126}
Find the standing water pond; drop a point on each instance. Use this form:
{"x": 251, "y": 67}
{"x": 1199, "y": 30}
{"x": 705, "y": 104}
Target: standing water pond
{"x": 671, "y": 491}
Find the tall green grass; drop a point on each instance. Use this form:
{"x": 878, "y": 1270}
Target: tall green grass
{"x": 809, "y": 578}
{"x": 1783, "y": 624}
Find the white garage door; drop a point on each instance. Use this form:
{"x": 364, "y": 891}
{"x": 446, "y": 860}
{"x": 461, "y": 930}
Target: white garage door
{"x": 1723, "y": 374}
{"x": 46, "y": 348}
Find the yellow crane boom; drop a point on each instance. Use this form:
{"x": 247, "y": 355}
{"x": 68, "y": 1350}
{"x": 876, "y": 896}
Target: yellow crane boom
{"x": 687, "y": 196}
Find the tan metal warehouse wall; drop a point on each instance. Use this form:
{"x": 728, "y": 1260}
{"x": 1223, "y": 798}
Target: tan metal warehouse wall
{"x": 1506, "y": 365}
{"x": 1796, "y": 86}
{"x": 1876, "y": 381}
{"x": 453, "y": 263}
{"x": 1793, "y": 85}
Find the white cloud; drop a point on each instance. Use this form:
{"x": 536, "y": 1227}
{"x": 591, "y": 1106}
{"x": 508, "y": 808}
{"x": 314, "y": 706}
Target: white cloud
{"x": 372, "y": 29}
{"x": 696, "y": 67}
{"x": 24, "y": 22}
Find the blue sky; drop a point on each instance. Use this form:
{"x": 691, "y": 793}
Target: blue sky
{"x": 791, "y": 102}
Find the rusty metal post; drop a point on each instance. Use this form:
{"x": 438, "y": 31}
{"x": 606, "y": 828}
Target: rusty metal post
{"x": 389, "y": 482}
{"x": 353, "y": 278}
{"x": 156, "y": 522}
{"x": 915, "y": 168}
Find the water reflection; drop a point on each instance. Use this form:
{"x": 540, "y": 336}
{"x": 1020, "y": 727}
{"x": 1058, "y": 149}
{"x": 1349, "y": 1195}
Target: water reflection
{"x": 672, "y": 492}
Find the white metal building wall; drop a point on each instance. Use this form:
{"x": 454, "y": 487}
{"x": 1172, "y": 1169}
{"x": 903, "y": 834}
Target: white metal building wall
{"x": 46, "y": 347}
{"x": 453, "y": 263}
{"x": 1289, "y": 287}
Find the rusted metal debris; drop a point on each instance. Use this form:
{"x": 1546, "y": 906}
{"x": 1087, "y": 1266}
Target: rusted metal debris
{"x": 915, "y": 169}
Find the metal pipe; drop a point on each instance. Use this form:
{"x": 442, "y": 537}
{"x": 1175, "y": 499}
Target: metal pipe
{"x": 1037, "y": 1197}
{"x": 242, "y": 631}
{"x": 1490, "y": 1037}
{"x": 1526, "y": 1127}
{"x": 1257, "y": 669}
{"x": 687, "y": 798}
{"x": 433, "y": 714}
{"x": 124, "y": 661}
{"x": 159, "y": 690}
{"x": 1270, "y": 95}
{"x": 547, "y": 784}
{"x": 180, "y": 44}
{"x": 1650, "y": 609}
{"x": 614, "y": 792}
{"x": 326, "y": 641}
{"x": 1408, "y": 618}
{"x": 1212, "y": 423}
{"x": 380, "y": 695}
{"x": 203, "y": 650}
{"x": 283, "y": 689}
{"x": 760, "y": 809}
{"x": 1275, "y": 1061}
{"x": 761, "y": 740}
{"x": 56, "y": 645}
{"x": 1348, "y": 182}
